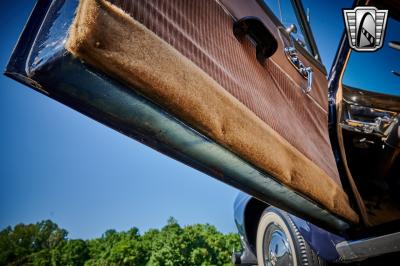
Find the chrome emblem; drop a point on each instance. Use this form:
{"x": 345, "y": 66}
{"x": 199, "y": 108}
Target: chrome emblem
{"x": 365, "y": 27}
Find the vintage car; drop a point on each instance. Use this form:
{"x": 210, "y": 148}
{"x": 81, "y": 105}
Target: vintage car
{"x": 232, "y": 89}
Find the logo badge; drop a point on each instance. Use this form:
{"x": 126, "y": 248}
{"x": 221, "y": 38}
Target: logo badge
{"x": 365, "y": 27}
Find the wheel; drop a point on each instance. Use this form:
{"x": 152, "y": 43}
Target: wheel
{"x": 279, "y": 243}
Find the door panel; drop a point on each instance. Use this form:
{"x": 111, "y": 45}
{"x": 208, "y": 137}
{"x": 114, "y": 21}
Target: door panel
{"x": 291, "y": 143}
{"x": 202, "y": 37}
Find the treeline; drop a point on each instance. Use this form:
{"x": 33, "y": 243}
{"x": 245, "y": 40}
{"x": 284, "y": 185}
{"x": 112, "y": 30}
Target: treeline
{"x": 44, "y": 243}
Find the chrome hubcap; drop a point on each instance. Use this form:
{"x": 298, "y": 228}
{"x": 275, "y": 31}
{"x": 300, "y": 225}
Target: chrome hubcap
{"x": 277, "y": 250}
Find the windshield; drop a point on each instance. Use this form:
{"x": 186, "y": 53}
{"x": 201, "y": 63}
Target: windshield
{"x": 374, "y": 71}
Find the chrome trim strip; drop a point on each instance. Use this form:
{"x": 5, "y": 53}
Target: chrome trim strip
{"x": 369, "y": 247}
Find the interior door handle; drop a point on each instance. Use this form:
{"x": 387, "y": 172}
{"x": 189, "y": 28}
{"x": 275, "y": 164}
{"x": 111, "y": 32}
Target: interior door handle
{"x": 305, "y": 71}
{"x": 308, "y": 74}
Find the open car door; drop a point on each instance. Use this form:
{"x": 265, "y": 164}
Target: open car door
{"x": 228, "y": 87}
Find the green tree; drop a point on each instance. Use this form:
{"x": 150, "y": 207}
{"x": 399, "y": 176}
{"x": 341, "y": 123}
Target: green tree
{"x": 72, "y": 253}
{"x": 30, "y": 244}
{"x": 44, "y": 243}
{"x": 40, "y": 258}
{"x": 7, "y": 253}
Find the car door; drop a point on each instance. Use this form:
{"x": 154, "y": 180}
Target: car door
{"x": 223, "y": 86}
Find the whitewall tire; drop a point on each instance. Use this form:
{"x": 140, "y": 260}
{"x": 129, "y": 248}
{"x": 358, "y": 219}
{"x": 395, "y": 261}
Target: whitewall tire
{"x": 279, "y": 243}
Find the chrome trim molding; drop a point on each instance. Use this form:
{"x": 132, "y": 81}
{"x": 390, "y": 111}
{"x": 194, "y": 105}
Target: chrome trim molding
{"x": 370, "y": 247}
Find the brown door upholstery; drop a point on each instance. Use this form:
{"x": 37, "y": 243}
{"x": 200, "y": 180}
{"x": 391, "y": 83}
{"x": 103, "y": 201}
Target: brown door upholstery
{"x": 184, "y": 56}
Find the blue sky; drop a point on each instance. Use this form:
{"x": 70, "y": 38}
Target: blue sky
{"x": 56, "y": 163}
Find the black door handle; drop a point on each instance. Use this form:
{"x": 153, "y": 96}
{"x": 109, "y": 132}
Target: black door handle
{"x": 253, "y": 27}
